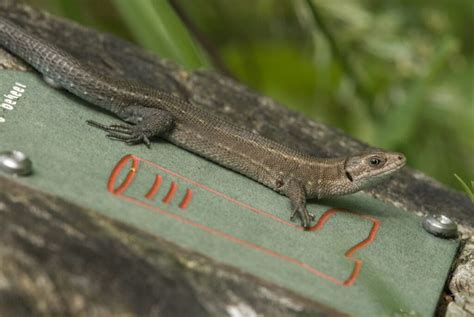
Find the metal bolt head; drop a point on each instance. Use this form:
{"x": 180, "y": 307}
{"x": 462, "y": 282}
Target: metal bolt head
{"x": 15, "y": 162}
{"x": 440, "y": 226}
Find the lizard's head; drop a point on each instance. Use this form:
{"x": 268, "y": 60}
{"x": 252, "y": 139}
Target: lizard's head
{"x": 369, "y": 168}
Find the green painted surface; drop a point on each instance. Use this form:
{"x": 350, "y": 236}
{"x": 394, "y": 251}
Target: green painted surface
{"x": 372, "y": 260}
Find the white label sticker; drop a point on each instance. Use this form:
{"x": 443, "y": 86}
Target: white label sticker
{"x": 11, "y": 98}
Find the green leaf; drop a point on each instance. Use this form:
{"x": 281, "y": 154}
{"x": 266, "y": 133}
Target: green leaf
{"x": 156, "y": 27}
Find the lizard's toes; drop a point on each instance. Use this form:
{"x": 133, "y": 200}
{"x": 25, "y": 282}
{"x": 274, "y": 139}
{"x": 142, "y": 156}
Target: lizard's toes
{"x": 96, "y": 124}
{"x": 127, "y": 136}
{"x": 293, "y": 214}
{"x": 121, "y": 128}
{"x": 118, "y": 137}
{"x": 124, "y": 133}
{"x": 147, "y": 142}
{"x": 134, "y": 139}
{"x": 304, "y": 215}
{"x": 305, "y": 220}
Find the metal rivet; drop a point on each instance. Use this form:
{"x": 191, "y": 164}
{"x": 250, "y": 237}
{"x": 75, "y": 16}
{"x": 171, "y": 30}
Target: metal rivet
{"x": 440, "y": 226}
{"x": 15, "y": 162}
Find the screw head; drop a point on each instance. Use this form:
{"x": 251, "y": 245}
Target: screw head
{"x": 15, "y": 162}
{"x": 440, "y": 226}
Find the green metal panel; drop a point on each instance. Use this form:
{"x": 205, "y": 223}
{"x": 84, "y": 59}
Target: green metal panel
{"x": 361, "y": 257}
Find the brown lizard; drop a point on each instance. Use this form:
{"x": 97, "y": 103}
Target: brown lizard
{"x": 154, "y": 113}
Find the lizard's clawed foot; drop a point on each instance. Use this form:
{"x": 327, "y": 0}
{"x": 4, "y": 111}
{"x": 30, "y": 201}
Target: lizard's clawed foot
{"x": 130, "y": 134}
{"x": 304, "y": 215}
{"x": 148, "y": 122}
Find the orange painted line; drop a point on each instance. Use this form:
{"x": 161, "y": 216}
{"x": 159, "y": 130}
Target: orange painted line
{"x": 154, "y": 188}
{"x": 354, "y": 274}
{"x": 169, "y": 196}
{"x": 215, "y": 192}
{"x": 322, "y": 220}
{"x": 319, "y": 225}
{"x": 128, "y": 179}
{"x": 186, "y": 199}
{"x": 370, "y": 238}
{"x": 226, "y": 236}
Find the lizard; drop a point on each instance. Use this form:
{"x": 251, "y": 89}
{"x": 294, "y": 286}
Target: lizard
{"x": 149, "y": 113}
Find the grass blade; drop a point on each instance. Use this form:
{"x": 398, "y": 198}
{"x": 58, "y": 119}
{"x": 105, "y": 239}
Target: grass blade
{"x": 466, "y": 188}
{"x": 156, "y": 27}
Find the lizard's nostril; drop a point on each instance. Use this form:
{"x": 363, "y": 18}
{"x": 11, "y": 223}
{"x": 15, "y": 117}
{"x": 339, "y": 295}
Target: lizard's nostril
{"x": 400, "y": 157}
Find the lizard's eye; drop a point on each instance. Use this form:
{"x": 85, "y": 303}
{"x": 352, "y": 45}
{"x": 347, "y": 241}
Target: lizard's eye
{"x": 375, "y": 161}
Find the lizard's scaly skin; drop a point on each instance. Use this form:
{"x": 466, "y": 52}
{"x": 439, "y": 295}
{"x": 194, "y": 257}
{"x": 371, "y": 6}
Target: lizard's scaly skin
{"x": 154, "y": 112}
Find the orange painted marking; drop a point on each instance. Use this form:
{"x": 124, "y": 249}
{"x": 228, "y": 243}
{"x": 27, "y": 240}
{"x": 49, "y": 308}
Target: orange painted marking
{"x": 154, "y": 188}
{"x": 186, "y": 199}
{"x": 169, "y": 196}
{"x": 370, "y": 238}
{"x": 128, "y": 179}
{"x": 318, "y": 226}
{"x": 226, "y": 236}
{"x": 222, "y": 195}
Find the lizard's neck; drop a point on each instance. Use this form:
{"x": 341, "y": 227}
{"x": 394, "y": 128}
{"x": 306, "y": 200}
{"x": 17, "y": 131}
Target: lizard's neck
{"x": 327, "y": 178}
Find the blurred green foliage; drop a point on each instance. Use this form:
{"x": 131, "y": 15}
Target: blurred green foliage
{"x": 404, "y": 78}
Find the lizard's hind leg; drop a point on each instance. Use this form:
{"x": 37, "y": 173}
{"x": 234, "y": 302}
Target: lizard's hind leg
{"x": 146, "y": 123}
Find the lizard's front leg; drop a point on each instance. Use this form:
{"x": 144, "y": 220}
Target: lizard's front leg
{"x": 146, "y": 123}
{"x": 297, "y": 195}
